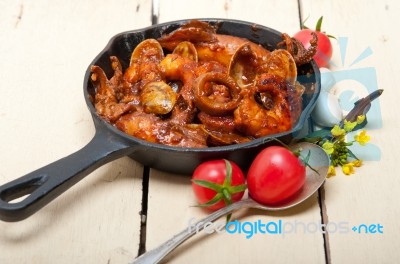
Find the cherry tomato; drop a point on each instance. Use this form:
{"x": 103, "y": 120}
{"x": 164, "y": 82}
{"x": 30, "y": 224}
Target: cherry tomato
{"x": 324, "y": 47}
{"x": 220, "y": 180}
{"x": 275, "y": 175}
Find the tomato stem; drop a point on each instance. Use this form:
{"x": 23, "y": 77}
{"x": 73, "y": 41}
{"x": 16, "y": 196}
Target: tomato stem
{"x": 303, "y": 26}
{"x": 297, "y": 153}
{"x": 227, "y": 196}
{"x": 319, "y": 24}
{"x": 237, "y": 188}
{"x": 280, "y": 142}
{"x": 223, "y": 191}
{"x": 213, "y": 201}
{"x": 210, "y": 185}
{"x": 306, "y": 159}
{"x": 228, "y": 177}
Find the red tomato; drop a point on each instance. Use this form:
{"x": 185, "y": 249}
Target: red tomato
{"x": 215, "y": 172}
{"x": 324, "y": 47}
{"x": 275, "y": 175}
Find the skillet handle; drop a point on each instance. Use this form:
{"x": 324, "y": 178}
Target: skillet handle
{"x": 45, "y": 184}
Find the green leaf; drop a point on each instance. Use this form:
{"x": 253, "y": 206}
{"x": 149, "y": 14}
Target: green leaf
{"x": 237, "y": 188}
{"x": 331, "y": 36}
{"x": 226, "y": 195}
{"x": 351, "y": 154}
{"x": 319, "y": 24}
{"x": 228, "y": 217}
{"x": 307, "y": 158}
{"x": 210, "y": 185}
{"x": 218, "y": 197}
{"x": 228, "y": 176}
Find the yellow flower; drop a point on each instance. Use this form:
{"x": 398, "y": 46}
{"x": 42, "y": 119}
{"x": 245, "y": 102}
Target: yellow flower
{"x": 348, "y": 168}
{"x": 357, "y": 163}
{"x": 362, "y": 138}
{"x": 331, "y": 171}
{"x": 360, "y": 119}
{"x": 349, "y": 126}
{"x": 328, "y": 147}
{"x": 337, "y": 131}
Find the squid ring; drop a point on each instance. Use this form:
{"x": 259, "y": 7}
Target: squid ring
{"x": 210, "y": 106}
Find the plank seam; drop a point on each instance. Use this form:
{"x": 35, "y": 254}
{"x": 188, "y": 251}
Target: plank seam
{"x": 155, "y": 12}
{"x": 143, "y": 212}
{"x": 324, "y": 222}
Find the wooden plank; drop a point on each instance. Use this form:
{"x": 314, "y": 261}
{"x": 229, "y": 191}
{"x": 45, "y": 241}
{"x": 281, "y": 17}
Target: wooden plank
{"x": 46, "y": 47}
{"x": 170, "y": 197}
{"x": 280, "y": 15}
{"x": 370, "y": 195}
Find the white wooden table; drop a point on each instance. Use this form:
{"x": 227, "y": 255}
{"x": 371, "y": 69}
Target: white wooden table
{"x": 45, "y": 48}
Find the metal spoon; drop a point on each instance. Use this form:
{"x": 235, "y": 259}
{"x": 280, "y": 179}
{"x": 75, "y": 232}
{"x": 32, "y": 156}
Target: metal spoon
{"x": 314, "y": 179}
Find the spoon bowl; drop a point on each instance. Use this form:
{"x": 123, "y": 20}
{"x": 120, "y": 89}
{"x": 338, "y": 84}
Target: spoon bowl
{"x": 315, "y": 177}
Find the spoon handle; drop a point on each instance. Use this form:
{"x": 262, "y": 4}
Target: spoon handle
{"x": 158, "y": 253}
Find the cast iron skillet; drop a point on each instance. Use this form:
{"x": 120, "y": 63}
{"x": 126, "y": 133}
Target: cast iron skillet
{"x": 45, "y": 184}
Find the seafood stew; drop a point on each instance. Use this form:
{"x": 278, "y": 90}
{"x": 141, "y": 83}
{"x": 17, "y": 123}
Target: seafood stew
{"x": 193, "y": 86}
